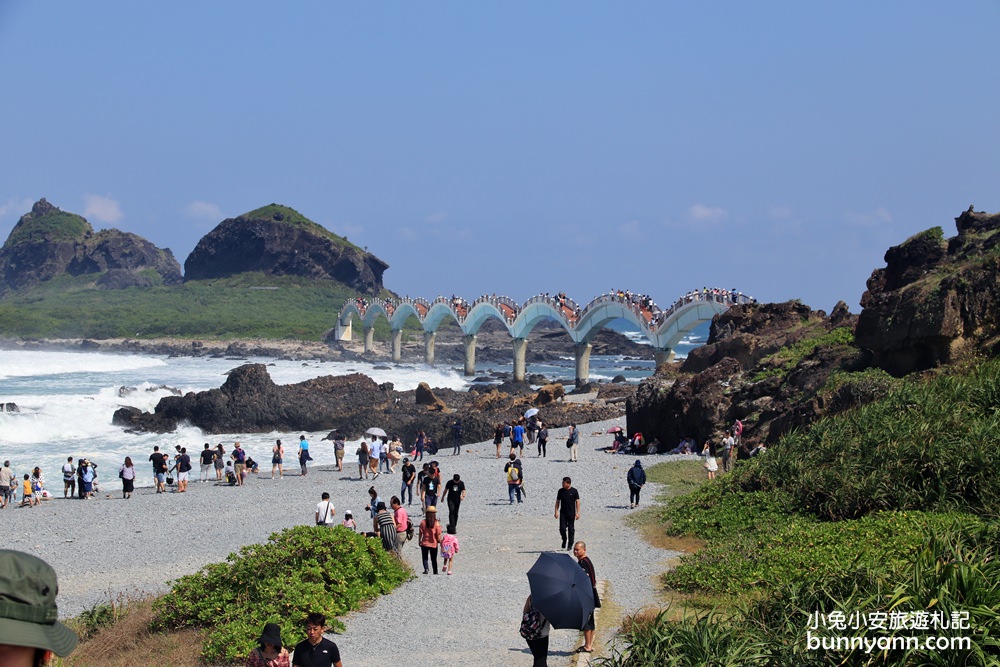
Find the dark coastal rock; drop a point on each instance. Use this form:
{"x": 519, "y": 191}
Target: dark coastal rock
{"x": 425, "y": 396}
{"x": 279, "y": 241}
{"x": 250, "y": 402}
{"x": 10, "y": 407}
{"x": 935, "y": 299}
{"x": 734, "y": 376}
{"x": 49, "y": 242}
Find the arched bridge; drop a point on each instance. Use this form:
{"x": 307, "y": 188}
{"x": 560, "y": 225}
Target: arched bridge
{"x": 663, "y": 328}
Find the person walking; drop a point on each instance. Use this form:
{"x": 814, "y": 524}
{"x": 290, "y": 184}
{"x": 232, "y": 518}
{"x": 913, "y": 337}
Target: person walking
{"x": 363, "y": 454}
{"x": 374, "y": 456}
{"x": 580, "y": 551}
{"x": 277, "y": 459}
{"x": 239, "y": 457}
{"x": 304, "y": 456}
{"x": 409, "y": 472}
{"x": 325, "y": 511}
{"x": 636, "y": 478}
{"x": 430, "y": 537}
{"x": 183, "y": 467}
{"x": 543, "y": 438}
{"x": 402, "y": 519}
{"x": 316, "y": 650}
{"x": 567, "y": 511}
{"x": 159, "y": 462}
{"x": 572, "y": 440}
{"x": 127, "y": 475}
{"x": 513, "y": 472}
{"x": 339, "y": 446}
{"x": 517, "y": 438}
{"x": 498, "y": 437}
{"x": 69, "y": 478}
{"x": 456, "y": 437}
{"x": 454, "y": 493}
{"x": 449, "y": 549}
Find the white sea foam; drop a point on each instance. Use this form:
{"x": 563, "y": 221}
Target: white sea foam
{"x": 40, "y": 363}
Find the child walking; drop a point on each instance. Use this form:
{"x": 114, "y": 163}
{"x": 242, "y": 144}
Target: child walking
{"x": 449, "y": 547}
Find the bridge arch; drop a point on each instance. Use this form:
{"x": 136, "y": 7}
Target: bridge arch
{"x": 663, "y": 328}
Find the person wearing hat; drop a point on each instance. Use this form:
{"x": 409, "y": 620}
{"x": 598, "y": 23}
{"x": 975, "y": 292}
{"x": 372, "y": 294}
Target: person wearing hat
{"x": 269, "y": 651}
{"x": 29, "y": 630}
{"x": 636, "y": 479}
{"x": 430, "y": 537}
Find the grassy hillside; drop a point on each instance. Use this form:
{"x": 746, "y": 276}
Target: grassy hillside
{"x": 891, "y": 507}
{"x": 244, "y": 306}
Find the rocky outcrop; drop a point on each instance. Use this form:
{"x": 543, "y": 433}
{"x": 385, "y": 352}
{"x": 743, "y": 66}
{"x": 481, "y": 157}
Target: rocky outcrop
{"x": 936, "y": 298}
{"x": 49, "y": 242}
{"x": 277, "y": 240}
{"x": 250, "y": 402}
{"x": 746, "y": 372}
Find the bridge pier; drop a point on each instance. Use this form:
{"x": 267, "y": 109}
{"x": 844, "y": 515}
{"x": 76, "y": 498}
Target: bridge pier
{"x": 369, "y": 338}
{"x": 470, "y": 354}
{"x": 663, "y": 355}
{"x": 520, "y": 347}
{"x": 429, "y": 337}
{"x": 344, "y": 331}
{"x": 582, "y": 353}
{"x": 397, "y": 345}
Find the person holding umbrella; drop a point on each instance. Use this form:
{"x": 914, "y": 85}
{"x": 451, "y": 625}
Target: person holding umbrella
{"x": 580, "y": 551}
{"x": 562, "y": 592}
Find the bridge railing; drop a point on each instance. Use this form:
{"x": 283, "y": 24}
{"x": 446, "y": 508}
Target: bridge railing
{"x": 650, "y": 316}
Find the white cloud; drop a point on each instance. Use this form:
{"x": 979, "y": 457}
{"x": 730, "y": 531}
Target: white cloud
{"x": 204, "y": 210}
{"x": 349, "y": 231}
{"x": 779, "y": 212}
{"x": 706, "y": 213}
{"x": 102, "y": 209}
{"x": 880, "y": 216}
{"x": 630, "y": 231}
{"x": 15, "y": 207}
{"x": 436, "y": 217}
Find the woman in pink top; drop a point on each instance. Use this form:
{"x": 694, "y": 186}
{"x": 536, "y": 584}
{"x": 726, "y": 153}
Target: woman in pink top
{"x": 402, "y": 519}
{"x": 430, "y": 536}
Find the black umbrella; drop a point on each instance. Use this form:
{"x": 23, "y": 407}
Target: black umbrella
{"x": 561, "y": 590}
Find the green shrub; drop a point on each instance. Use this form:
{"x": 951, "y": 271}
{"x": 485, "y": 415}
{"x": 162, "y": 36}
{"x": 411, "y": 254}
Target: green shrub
{"x": 297, "y": 571}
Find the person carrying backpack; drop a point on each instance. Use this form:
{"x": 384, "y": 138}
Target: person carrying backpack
{"x": 513, "y": 472}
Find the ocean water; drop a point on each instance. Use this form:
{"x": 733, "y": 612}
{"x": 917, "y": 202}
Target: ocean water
{"x": 67, "y": 400}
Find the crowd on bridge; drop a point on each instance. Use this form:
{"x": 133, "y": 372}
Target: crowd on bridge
{"x": 649, "y": 314}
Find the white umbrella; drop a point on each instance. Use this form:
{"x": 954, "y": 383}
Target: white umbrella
{"x": 531, "y": 413}
{"x": 376, "y": 432}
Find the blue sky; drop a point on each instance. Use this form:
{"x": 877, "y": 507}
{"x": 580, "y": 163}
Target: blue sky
{"x": 778, "y": 148}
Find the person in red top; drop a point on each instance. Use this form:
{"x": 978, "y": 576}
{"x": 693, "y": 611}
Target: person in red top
{"x": 401, "y": 518}
{"x": 430, "y": 536}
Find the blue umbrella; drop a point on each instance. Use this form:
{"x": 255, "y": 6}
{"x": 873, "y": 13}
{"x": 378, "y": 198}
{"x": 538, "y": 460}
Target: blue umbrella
{"x": 561, "y": 590}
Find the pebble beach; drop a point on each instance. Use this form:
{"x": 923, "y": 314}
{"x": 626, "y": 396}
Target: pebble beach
{"x": 110, "y": 546}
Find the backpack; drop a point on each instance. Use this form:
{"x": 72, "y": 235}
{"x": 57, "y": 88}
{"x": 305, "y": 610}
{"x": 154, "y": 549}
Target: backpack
{"x": 409, "y": 529}
{"x": 513, "y": 474}
{"x": 531, "y": 624}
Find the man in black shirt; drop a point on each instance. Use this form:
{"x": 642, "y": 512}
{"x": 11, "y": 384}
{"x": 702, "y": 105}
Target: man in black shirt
{"x": 567, "y": 511}
{"x": 454, "y": 492}
{"x": 207, "y": 459}
{"x": 409, "y": 474}
{"x": 316, "y": 650}
{"x": 159, "y": 469}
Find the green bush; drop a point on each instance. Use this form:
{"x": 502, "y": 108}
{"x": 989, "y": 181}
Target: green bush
{"x": 297, "y": 571}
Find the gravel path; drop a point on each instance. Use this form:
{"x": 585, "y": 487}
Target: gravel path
{"x": 111, "y": 545}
